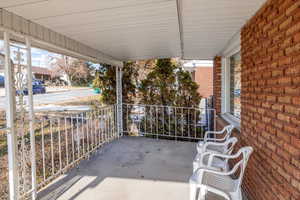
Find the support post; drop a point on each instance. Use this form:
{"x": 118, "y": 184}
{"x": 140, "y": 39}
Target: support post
{"x": 119, "y": 100}
{"x": 10, "y": 118}
{"x": 31, "y": 118}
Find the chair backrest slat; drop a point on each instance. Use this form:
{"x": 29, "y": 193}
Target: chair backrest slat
{"x": 229, "y": 130}
{"x": 242, "y": 163}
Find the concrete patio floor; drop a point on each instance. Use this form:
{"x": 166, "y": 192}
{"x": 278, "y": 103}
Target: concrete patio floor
{"x": 131, "y": 168}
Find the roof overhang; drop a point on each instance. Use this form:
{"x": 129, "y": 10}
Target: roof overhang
{"x": 120, "y": 30}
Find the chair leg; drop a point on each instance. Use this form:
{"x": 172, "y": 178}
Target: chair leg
{"x": 237, "y": 195}
{"x": 195, "y": 166}
{"x": 193, "y": 191}
{"x": 202, "y": 193}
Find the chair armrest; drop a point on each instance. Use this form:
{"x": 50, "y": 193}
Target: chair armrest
{"x": 212, "y": 144}
{"x": 201, "y": 170}
{"x": 211, "y": 156}
{"x": 214, "y": 190}
{"x": 225, "y": 156}
{"x": 214, "y": 139}
{"x": 207, "y": 133}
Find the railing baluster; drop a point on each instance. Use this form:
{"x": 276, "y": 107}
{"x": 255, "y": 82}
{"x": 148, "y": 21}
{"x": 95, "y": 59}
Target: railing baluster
{"x": 188, "y": 122}
{"x": 92, "y": 130}
{"x": 138, "y": 121}
{"x": 115, "y": 117}
{"x": 169, "y": 113}
{"x": 72, "y": 132}
{"x": 109, "y": 125}
{"x": 82, "y": 133}
{"x": 175, "y": 124}
{"x": 97, "y": 127}
{"x": 195, "y": 122}
{"x": 43, "y": 149}
{"x": 127, "y": 119}
{"x": 78, "y": 137}
{"x": 101, "y": 126}
{"x": 95, "y": 130}
{"x": 59, "y": 145}
{"x": 163, "y": 121}
{"x": 151, "y": 120}
{"x": 67, "y": 144}
{"x": 52, "y": 148}
{"x": 106, "y": 126}
{"x": 182, "y": 119}
{"x": 112, "y": 122}
{"x": 145, "y": 119}
{"x": 87, "y": 132}
{"x": 157, "y": 132}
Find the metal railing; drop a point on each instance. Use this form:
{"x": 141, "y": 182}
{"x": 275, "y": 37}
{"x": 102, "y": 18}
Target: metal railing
{"x": 65, "y": 140}
{"x": 169, "y": 122}
{"x": 62, "y": 140}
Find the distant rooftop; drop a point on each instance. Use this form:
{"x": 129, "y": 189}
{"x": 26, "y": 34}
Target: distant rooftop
{"x": 198, "y": 63}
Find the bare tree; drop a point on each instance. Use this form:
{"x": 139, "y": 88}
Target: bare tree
{"x": 75, "y": 71}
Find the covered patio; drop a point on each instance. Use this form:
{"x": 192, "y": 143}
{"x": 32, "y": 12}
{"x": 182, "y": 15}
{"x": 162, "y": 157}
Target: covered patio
{"x": 129, "y": 168}
{"x": 253, "y": 43}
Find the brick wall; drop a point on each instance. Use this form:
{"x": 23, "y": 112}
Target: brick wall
{"x": 217, "y": 83}
{"x": 270, "y": 122}
{"x": 204, "y": 79}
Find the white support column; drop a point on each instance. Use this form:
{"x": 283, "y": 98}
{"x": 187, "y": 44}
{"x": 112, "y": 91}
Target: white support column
{"x": 119, "y": 101}
{"x": 31, "y": 118}
{"x": 10, "y": 118}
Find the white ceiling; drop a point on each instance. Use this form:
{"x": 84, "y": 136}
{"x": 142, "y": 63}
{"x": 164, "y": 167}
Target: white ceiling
{"x": 141, "y": 29}
{"x": 209, "y": 24}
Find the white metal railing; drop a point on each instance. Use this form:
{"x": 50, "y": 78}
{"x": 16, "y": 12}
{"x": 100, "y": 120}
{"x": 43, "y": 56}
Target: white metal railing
{"x": 182, "y": 123}
{"x": 65, "y": 140}
{"x": 61, "y": 141}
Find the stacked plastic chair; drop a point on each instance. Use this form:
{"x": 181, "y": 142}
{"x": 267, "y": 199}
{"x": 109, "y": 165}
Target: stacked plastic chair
{"x": 211, "y": 171}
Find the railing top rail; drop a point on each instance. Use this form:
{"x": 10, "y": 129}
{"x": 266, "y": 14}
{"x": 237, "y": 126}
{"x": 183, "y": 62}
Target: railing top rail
{"x": 51, "y": 116}
{"x": 166, "y": 106}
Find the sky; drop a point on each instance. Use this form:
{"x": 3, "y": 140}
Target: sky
{"x": 40, "y": 57}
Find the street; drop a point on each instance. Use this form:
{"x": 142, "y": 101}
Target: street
{"x": 55, "y": 97}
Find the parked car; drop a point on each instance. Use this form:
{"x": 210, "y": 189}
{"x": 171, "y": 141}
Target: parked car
{"x": 37, "y": 88}
{"x": 2, "y": 81}
{"x": 41, "y": 82}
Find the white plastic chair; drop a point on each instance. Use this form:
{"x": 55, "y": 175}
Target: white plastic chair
{"x": 208, "y": 136}
{"x": 225, "y": 148}
{"x": 220, "y": 183}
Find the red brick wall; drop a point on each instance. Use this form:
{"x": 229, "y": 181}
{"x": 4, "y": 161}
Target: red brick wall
{"x": 270, "y": 122}
{"x": 217, "y": 83}
{"x": 204, "y": 79}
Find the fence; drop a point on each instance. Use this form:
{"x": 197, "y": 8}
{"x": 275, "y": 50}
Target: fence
{"x": 61, "y": 141}
{"x": 179, "y": 123}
